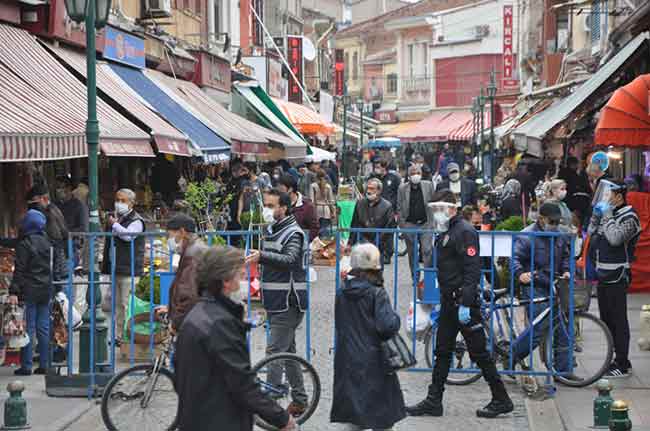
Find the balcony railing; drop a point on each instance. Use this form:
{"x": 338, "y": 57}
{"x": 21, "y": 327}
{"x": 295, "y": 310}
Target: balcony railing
{"x": 417, "y": 83}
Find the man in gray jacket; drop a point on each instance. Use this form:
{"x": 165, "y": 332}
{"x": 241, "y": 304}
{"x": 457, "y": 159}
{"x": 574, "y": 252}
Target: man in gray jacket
{"x": 413, "y": 199}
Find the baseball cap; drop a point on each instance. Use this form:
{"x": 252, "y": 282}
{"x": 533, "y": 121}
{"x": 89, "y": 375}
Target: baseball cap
{"x": 453, "y": 167}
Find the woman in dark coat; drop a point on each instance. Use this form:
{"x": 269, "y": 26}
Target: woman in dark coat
{"x": 365, "y": 395}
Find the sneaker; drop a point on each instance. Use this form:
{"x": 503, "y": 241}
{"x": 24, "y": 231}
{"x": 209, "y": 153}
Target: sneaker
{"x": 296, "y": 409}
{"x": 40, "y": 371}
{"x": 617, "y": 373}
{"x": 22, "y": 372}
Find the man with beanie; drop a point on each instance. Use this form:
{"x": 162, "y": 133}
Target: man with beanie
{"x": 464, "y": 189}
{"x": 183, "y": 293}
{"x": 31, "y": 284}
{"x": 459, "y": 273}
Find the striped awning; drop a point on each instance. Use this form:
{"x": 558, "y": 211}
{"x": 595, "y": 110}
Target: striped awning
{"x": 43, "y": 106}
{"x": 466, "y": 131}
{"x": 436, "y": 127}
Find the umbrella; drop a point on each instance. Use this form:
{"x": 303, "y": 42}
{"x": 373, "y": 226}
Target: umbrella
{"x": 318, "y": 155}
{"x": 625, "y": 119}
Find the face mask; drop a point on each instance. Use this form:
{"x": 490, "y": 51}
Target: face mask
{"x": 454, "y": 176}
{"x": 267, "y": 214}
{"x": 561, "y": 195}
{"x": 175, "y": 247}
{"x": 121, "y": 208}
{"x": 276, "y": 176}
{"x": 532, "y": 215}
{"x": 441, "y": 222}
{"x": 60, "y": 194}
{"x": 415, "y": 179}
{"x": 237, "y": 295}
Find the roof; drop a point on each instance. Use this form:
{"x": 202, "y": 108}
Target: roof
{"x": 168, "y": 139}
{"x": 545, "y": 121}
{"x": 200, "y": 134}
{"x": 382, "y": 57}
{"x": 422, "y": 7}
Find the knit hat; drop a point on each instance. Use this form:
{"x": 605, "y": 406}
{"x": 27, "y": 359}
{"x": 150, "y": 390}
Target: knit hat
{"x": 33, "y": 222}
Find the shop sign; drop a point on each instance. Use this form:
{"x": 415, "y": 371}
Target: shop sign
{"x": 386, "y": 116}
{"x": 219, "y": 76}
{"x": 508, "y": 56}
{"x": 294, "y": 57}
{"x": 339, "y": 72}
{"x": 124, "y": 48}
{"x": 277, "y": 85}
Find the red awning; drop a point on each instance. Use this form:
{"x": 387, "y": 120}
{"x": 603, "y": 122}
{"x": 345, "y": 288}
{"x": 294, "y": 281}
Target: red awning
{"x": 466, "y": 131}
{"x": 625, "y": 119}
{"x": 168, "y": 139}
{"x": 437, "y": 127}
{"x": 44, "y": 106}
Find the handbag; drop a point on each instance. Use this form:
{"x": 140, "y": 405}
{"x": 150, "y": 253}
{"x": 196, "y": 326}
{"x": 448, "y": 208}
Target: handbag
{"x": 396, "y": 355}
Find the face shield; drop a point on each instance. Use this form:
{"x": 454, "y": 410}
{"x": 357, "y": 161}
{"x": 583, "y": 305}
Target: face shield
{"x": 441, "y": 215}
{"x": 603, "y": 194}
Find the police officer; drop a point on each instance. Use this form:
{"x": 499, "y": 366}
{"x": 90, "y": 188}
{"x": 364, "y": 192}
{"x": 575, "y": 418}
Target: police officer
{"x": 459, "y": 271}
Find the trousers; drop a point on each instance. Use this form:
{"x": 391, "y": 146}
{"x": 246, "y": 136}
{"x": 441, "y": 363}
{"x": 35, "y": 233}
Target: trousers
{"x": 448, "y": 328}
{"x": 425, "y": 242}
{"x": 122, "y": 297}
{"x": 283, "y": 339}
{"x": 612, "y": 302}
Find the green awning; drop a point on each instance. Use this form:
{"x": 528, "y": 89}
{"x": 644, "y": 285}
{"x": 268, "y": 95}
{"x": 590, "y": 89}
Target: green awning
{"x": 252, "y": 102}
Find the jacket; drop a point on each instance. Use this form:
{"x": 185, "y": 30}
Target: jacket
{"x": 404, "y": 198}
{"x": 284, "y": 256}
{"x": 542, "y": 263}
{"x": 468, "y": 190}
{"x": 217, "y": 389}
{"x": 390, "y": 187}
{"x": 305, "y": 215}
{"x": 459, "y": 263}
{"x": 368, "y": 216}
{"x": 612, "y": 245}
{"x": 183, "y": 293}
{"x": 57, "y": 232}
{"x": 364, "y": 394}
{"x": 31, "y": 280}
{"x": 123, "y": 250}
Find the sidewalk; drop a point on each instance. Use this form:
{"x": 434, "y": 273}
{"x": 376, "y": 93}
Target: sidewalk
{"x": 572, "y": 408}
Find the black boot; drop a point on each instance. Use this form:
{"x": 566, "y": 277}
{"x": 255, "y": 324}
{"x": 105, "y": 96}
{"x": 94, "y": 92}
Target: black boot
{"x": 430, "y": 406}
{"x": 501, "y": 403}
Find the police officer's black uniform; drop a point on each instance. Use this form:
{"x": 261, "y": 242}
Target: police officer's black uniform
{"x": 459, "y": 272}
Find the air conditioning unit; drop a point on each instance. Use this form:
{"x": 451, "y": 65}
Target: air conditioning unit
{"x": 156, "y": 9}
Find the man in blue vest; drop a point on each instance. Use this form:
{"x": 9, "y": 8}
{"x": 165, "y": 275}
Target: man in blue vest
{"x": 614, "y": 230}
{"x": 284, "y": 269}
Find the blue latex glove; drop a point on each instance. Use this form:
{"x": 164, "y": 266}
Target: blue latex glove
{"x": 463, "y": 315}
{"x": 601, "y": 208}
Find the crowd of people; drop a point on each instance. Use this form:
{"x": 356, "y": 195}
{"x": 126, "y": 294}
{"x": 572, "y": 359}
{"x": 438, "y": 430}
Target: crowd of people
{"x": 215, "y": 382}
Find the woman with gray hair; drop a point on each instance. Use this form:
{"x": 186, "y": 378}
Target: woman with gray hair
{"x": 511, "y": 200}
{"x": 366, "y": 395}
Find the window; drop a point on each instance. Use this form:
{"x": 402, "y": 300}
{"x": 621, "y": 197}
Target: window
{"x": 346, "y": 66}
{"x": 411, "y": 61}
{"x": 426, "y": 61}
{"x": 391, "y": 83}
{"x": 355, "y": 66}
{"x": 562, "y": 35}
{"x": 258, "y": 31}
{"x": 595, "y": 22}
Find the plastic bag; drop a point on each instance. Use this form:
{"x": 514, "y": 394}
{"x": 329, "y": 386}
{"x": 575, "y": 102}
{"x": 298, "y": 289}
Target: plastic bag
{"x": 138, "y": 306}
{"x": 62, "y": 299}
{"x": 422, "y": 320}
{"x": 14, "y": 328}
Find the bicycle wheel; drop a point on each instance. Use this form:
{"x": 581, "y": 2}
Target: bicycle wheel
{"x": 282, "y": 391}
{"x": 460, "y": 359}
{"x": 125, "y": 405}
{"x": 592, "y": 353}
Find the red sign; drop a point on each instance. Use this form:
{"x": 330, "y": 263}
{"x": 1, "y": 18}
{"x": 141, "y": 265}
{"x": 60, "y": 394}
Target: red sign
{"x": 339, "y": 72}
{"x": 386, "y": 116}
{"x": 294, "y": 58}
{"x": 508, "y": 56}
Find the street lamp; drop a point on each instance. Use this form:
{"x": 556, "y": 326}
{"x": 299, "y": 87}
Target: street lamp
{"x": 492, "y": 93}
{"x": 360, "y": 104}
{"x": 475, "y": 110}
{"x": 481, "y": 108}
{"x": 95, "y": 14}
{"x": 347, "y": 100}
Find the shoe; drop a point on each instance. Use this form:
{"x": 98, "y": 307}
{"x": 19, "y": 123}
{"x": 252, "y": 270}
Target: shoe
{"x": 425, "y": 408}
{"x": 22, "y": 372}
{"x": 296, "y": 409}
{"x": 617, "y": 373}
{"x": 387, "y": 260}
{"x": 40, "y": 371}
{"x": 496, "y": 408}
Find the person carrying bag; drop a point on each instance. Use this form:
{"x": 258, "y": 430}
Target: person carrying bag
{"x": 367, "y": 393}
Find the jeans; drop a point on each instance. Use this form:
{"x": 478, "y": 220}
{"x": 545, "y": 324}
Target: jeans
{"x": 37, "y": 317}
{"x": 612, "y": 302}
{"x": 521, "y": 349}
{"x": 425, "y": 241}
{"x": 283, "y": 339}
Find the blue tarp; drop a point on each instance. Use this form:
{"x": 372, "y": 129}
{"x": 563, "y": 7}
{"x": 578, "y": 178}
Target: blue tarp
{"x": 201, "y": 136}
{"x": 384, "y": 143}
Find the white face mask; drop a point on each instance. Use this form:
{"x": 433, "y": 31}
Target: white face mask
{"x": 441, "y": 222}
{"x": 238, "y": 294}
{"x": 371, "y": 196}
{"x": 415, "y": 179}
{"x": 267, "y": 214}
{"x": 561, "y": 195}
{"x": 121, "y": 208}
{"x": 455, "y": 176}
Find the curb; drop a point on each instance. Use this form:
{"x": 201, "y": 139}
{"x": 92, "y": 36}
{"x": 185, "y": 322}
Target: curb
{"x": 544, "y": 415}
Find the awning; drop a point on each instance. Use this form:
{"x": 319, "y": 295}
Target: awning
{"x": 544, "y": 122}
{"x": 318, "y": 155}
{"x": 167, "y": 138}
{"x": 384, "y": 143}
{"x": 436, "y": 127}
{"x": 201, "y": 135}
{"x": 306, "y": 120}
{"x": 245, "y": 137}
{"x": 252, "y": 102}
{"x": 625, "y": 119}
{"x": 465, "y": 132}
{"x": 43, "y": 106}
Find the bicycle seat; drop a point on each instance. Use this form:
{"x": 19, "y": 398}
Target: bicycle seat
{"x": 498, "y": 294}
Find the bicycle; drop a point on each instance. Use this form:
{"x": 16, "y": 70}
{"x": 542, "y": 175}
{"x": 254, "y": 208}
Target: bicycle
{"x": 144, "y": 394}
{"x": 500, "y": 330}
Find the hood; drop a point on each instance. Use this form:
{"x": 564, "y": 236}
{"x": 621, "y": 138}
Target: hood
{"x": 356, "y": 288}
{"x": 34, "y": 222}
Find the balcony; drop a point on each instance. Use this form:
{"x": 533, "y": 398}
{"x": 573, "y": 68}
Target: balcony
{"x": 417, "y": 83}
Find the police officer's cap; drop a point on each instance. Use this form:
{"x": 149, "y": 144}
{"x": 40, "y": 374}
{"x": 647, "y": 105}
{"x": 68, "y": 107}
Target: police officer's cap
{"x": 551, "y": 210}
{"x": 182, "y": 221}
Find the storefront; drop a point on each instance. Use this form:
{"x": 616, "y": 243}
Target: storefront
{"x": 213, "y": 76}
